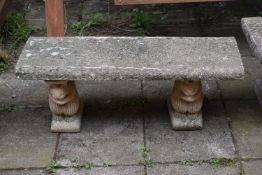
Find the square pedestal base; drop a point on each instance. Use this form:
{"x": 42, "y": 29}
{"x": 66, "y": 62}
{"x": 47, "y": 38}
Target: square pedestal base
{"x": 67, "y": 124}
{"x": 186, "y": 122}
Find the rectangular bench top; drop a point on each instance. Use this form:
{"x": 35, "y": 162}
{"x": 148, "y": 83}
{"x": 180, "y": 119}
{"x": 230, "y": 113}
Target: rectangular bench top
{"x": 130, "y": 58}
{"x": 252, "y": 28}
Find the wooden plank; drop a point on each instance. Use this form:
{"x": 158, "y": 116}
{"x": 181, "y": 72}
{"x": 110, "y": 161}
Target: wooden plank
{"x": 55, "y": 17}
{"x": 129, "y": 2}
{"x": 4, "y": 5}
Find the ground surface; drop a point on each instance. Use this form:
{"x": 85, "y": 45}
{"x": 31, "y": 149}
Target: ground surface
{"x": 126, "y": 128}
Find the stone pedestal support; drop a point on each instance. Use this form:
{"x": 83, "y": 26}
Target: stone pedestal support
{"x": 65, "y": 105}
{"x": 185, "y": 105}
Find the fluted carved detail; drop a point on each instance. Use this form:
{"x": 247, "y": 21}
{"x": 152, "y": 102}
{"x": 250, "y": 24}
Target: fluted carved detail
{"x": 63, "y": 98}
{"x": 187, "y": 96}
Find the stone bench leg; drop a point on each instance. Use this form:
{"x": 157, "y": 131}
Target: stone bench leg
{"x": 185, "y": 105}
{"x": 65, "y": 105}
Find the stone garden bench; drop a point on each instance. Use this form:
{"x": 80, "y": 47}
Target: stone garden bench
{"x": 252, "y": 28}
{"x": 187, "y": 61}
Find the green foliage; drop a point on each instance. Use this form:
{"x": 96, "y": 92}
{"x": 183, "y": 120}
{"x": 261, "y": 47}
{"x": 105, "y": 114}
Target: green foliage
{"x": 3, "y": 67}
{"x": 106, "y": 164}
{"x": 15, "y": 29}
{"x": 188, "y": 162}
{"x": 145, "y": 152}
{"x": 242, "y": 172}
{"x": 52, "y": 167}
{"x": 222, "y": 162}
{"x": 146, "y": 161}
{"x": 140, "y": 20}
{"x": 94, "y": 19}
{"x": 80, "y": 26}
{"x": 215, "y": 163}
{"x": 4, "y": 108}
{"x": 78, "y": 166}
{"x": 89, "y": 165}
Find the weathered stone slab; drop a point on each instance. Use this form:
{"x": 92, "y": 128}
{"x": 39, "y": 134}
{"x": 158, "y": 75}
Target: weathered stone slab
{"x": 213, "y": 141}
{"x": 25, "y": 139}
{"x": 246, "y": 117}
{"x": 115, "y": 137}
{"x": 252, "y": 28}
{"x": 107, "y": 58}
{"x": 124, "y": 170}
{"x": 252, "y": 167}
{"x": 195, "y": 169}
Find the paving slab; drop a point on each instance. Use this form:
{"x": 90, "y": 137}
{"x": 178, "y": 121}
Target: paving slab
{"x": 246, "y": 118}
{"x": 109, "y": 136}
{"x": 157, "y": 90}
{"x": 104, "y": 91}
{"x": 124, "y": 170}
{"x": 211, "y": 90}
{"x": 253, "y": 67}
{"x": 238, "y": 89}
{"x": 195, "y": 169}
{"x": 252, "y": 167}
{"x": 23, "y": 172}
{"x": 34, "y": 92}
{"x": 213, "y": 141}
{"x": 130, "y": 58}
{"x": 25, "y": 138}
{"x": 22, "y": 92}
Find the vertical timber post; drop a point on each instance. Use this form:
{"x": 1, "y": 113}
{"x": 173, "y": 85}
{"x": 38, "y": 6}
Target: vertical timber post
{"x": 64, "y": 101}
{"x": 55, "y": 17}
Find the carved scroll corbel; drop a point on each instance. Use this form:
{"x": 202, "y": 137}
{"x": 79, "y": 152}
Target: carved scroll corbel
{"x": 63, "y": 98}
{"x": 66, "y": 106}
{"x": 187, "y": 96}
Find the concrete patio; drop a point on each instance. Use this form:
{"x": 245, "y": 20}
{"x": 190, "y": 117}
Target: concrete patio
{"x": 126, "y": 128}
